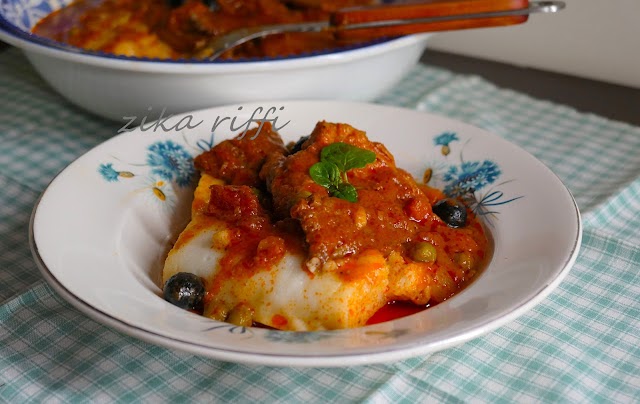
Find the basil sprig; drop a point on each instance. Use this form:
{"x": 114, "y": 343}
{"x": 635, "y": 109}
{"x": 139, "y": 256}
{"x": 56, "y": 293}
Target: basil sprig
{"x": 331, "y": 172}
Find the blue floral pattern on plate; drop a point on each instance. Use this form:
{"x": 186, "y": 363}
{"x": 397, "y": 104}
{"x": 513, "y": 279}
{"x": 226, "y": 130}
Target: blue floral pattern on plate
{"x": 171, "y": 162}
{"x": 470, "y": 176}
{"x": 168, "y": 163}
{"x": 297, "y": 337}
{"x": 445, "y": 140}
{"x": 468, "y": 180}
{"x": 25, "y": 14}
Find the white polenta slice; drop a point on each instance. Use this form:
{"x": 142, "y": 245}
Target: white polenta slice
{"x": 286, "y": 296}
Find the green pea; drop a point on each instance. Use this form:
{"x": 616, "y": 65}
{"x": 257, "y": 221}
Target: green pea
{"x": 424, "y": 252}
{"x": 465, "y": 260}
{"x": 241, "y": 315}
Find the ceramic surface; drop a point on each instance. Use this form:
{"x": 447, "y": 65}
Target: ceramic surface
{"x": 102, "y": 228}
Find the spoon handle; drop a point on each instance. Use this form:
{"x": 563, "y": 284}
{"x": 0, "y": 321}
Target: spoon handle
{"x": 410, "y": 9}
{"x": 438, "y": 15}
{"x": 363, "y": 24}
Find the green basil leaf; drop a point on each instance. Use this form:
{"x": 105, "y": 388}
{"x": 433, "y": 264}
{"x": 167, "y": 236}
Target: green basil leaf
{"x": 346, "y": 156}
{"x": 345, "y": 191}
{"x": 325, "y": 174}
{"x": 331, "y": 172}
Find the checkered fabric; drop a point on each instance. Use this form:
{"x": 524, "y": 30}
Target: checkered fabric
{"x": 581, "y": 344}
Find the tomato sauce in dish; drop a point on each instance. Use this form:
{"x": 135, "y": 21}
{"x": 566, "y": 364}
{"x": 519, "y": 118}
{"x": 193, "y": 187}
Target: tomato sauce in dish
{"x": 298, "y": 252}
{"x": 154, "y": 29}
{"x": 395, "y": 310}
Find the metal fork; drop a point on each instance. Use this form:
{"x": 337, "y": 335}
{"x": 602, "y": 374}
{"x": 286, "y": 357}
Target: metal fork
{"x": 382, "y": 27}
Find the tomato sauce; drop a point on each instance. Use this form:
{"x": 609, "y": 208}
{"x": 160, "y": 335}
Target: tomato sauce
{"x": 154, "y": 29}
{"x": 395, "y": 310}
{"x": 271, "y": 207}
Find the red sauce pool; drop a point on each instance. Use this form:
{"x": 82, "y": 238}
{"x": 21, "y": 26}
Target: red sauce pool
{"x": 395, "y": 310}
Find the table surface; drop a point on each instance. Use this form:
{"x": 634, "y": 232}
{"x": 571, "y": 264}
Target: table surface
{"x": 581, "y": 344}
{"x": 605, "y": 99}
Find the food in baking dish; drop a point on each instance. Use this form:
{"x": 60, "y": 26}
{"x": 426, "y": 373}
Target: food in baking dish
{"x": 154, "y": 29}
{"x": 320, "y": 235}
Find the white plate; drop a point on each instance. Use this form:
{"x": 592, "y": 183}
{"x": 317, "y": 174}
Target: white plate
{"x": 102, "y": 228}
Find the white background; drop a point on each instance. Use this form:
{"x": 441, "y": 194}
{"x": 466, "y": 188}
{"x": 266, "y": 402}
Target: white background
{"x": 598, "y": 39}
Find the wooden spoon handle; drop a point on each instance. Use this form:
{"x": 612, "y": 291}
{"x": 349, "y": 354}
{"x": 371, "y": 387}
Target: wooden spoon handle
{"x": 410, "y": 9}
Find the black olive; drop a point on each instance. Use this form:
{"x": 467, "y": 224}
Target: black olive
{"x": 186, "y": 291}
{"x": 298, "y": 146}
{"x": 451, "y": 211}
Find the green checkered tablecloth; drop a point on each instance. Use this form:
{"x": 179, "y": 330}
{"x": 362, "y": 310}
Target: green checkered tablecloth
{"x": 581, "y": 344}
